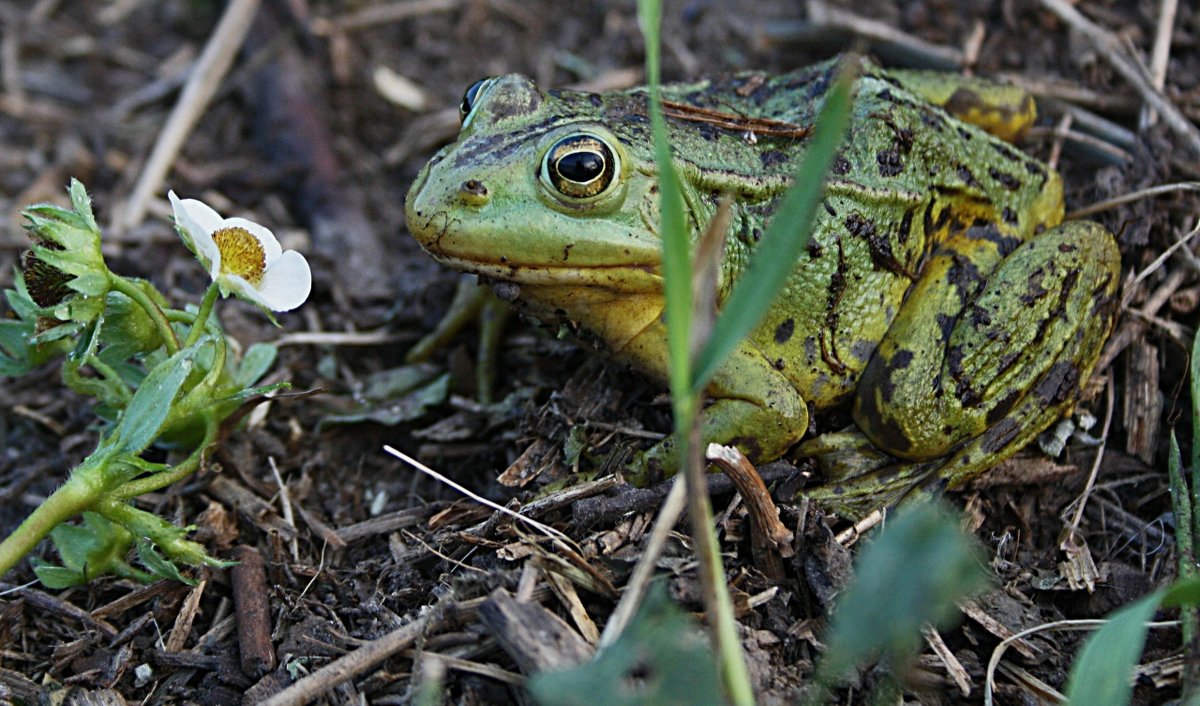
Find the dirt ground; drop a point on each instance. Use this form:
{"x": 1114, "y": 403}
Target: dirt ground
{"x": 310, "y": 133}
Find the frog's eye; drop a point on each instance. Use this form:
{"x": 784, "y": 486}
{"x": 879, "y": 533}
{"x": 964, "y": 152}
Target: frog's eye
{"x": 468, "y": 99}
{"x": 579, "y": 166}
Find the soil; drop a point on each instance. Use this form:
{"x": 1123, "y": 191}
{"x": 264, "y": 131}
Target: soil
{"x": 306, "y": 134}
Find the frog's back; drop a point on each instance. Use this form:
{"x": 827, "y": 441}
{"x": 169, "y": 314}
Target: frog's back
{"x": 909, "y": 177}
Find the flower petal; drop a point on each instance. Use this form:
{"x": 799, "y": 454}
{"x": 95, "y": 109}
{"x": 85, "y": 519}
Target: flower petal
{"x": 287, "y": 282}
{"x": 242, "y": 289}
{"x": 198, "y": 221}
{"x": 270, "y": 244}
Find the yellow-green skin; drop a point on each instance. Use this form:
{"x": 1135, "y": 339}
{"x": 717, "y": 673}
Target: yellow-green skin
{"x": 939, "y": 297}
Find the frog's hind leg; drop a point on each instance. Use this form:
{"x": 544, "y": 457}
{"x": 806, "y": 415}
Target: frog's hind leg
{"x": 1003, "y": 110}
{"x": 977, "y": 364}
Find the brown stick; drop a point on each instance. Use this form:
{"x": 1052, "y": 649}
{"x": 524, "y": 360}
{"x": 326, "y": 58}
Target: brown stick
{"x": 770, "y": 540}
{"x": 253, "y": 608}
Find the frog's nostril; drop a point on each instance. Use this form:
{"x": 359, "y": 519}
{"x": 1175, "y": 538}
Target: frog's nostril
{"x": 473, "y": 193}
{"x": 474, "y": 186}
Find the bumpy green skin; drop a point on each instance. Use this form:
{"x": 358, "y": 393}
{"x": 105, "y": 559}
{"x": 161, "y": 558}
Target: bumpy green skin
{"x": 939, "y": 296}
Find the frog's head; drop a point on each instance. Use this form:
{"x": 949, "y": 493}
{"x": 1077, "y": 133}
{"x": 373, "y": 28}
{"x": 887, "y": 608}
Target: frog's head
{"x": 537, "y": 191}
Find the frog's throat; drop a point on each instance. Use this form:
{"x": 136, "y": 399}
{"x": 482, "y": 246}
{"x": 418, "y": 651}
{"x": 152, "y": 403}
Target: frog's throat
{"x": 624, "y": 278}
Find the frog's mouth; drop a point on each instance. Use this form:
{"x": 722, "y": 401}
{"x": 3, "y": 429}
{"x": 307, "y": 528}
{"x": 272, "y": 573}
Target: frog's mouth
{"x": 617, "y": 277}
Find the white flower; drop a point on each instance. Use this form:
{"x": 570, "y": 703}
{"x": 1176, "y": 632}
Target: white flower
{"x": 242, "y": 257}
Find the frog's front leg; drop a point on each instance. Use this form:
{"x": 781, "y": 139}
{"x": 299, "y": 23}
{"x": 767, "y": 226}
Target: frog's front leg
{"x": 753, "y": 407}
{"x": 977, "y": 364}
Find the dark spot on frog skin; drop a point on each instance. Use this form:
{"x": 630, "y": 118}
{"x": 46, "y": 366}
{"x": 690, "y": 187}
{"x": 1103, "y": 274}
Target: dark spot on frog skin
{"x": 841, "y": 165}
{"x": 1004, "y": 150}
{"x": 779, "y": 364}
{"x": 905, "y": 227}
{"x": 1059, "y": 384}
{"x": 1000, "y": 435}
{"x": 945, "y": 326}
{"x": 885, "y": 431}
{"x": 1066, "y": 247}
{"x": 829, "y": 208}
{"x": 595, "y": 99}
{"x": 771, "y": 158}
{"x": 964, "y": 276}
{"x": 964, "y": 133}
{"x": 1010, "y": 217}
{"x": 814, "y": 249}
{"x": 1005, "y": 179}
{"x": 1003, "y": 407}
{"x": 1035, "y": 168}
{"x": 986, "y": 230}
{"x": 979, "y": 316}
{"x": 890, "y": 162}
{"x": 964, "y": 173}
{"x": 1033, "y": 287}
{"x": 863, "y": 350}
{"x": 567, "y": 251}
{"x": 934, "y": 120}
{"x": 756, "y": 233}
{"x": 783, "y": 332}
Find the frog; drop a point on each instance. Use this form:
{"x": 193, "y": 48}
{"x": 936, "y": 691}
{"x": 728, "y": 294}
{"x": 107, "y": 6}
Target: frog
{"x": 941, "y": 300}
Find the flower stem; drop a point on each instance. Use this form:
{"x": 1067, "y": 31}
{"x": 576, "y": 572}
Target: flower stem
{"x": 206, "y": 305}
{"x": 82, "y": 489}
{"x": 177, "y": 472}
{"x": 134, "y": 292}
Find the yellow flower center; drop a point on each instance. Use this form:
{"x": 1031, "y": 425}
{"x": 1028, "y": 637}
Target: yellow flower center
{"x": 241, "y": 254}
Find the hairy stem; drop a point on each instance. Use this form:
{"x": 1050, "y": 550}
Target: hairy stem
{"x": 206, "y": 306}
{"x": 82, "y": 488}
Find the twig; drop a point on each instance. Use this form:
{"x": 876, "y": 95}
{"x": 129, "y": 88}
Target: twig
{"x": 1130, "y": 197}
{"x": 1091, "y": 481}
{"x": 375, "y": 15}
{"x": 998, "y": 653}
{"x": 355, "y": 663}
{"x": 821, "y": 14}
{"x": 540, "y": 527}
{"x": 251, "y": 602}
{"x": 1131, "y": 69}
{"x": 183, "y": 621}
{"x": 1161, "y": 53}
{"x": 210, "y": 68}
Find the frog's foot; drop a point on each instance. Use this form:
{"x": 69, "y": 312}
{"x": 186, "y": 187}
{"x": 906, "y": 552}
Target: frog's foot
{"x": 472, "y": 302}
{"x": 856, "y": 478}
{"x": 973, "y": 368}
{"x": 754, "y": 407}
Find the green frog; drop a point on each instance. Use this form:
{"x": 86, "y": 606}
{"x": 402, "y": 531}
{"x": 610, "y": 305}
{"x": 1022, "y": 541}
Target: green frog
{"x": 940, "y": 298}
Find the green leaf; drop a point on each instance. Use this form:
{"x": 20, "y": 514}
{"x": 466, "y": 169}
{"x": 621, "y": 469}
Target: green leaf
{"x": 662, "y": 658}
{"x": 57, "y": 576}
{"x": 923, "y": 564}
{"x": 82, "y": 203}
{"x": 151, "y": 404}
{"x": 1103, "y": 671}
{"x": 255, "y": 363}
{"x": 785, "y": 238}
{"x": 158, "y": 565}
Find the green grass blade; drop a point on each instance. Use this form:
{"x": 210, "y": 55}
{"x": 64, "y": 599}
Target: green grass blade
{"x": 786, "y": 236}
{"x": 1195, "y": 443}
{"x": 1103, "y": 671}
{"x": 677, "y": 259}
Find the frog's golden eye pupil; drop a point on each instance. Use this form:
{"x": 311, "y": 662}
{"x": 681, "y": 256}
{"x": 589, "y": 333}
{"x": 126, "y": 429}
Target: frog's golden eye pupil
{"x": 580, "y": 166}
{"x": 468, "y": 99}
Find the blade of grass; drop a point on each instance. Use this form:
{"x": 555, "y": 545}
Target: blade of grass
{"x": 677, "y": 259}
{"x": 786, "y": 236}
{"x": 677, "y": 293}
